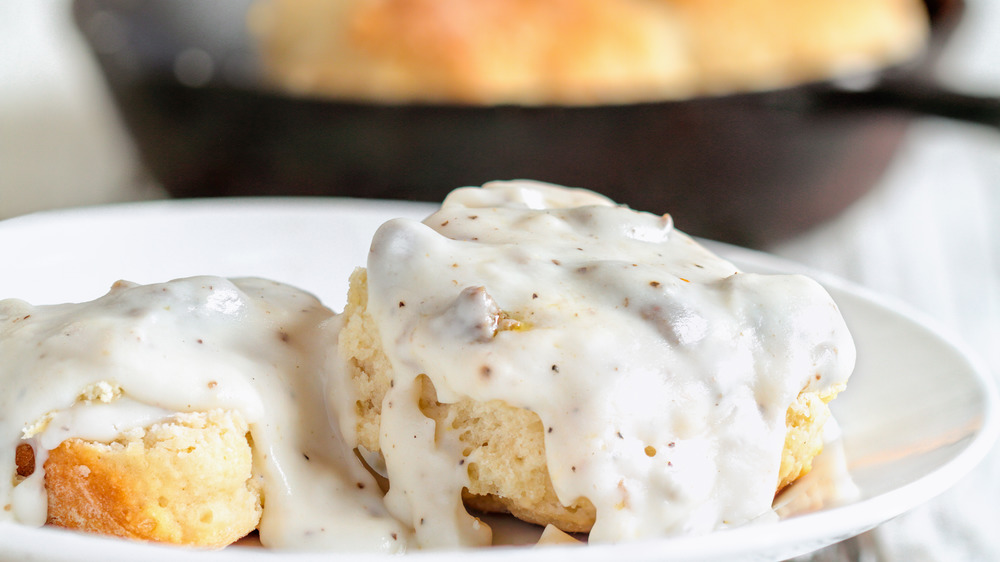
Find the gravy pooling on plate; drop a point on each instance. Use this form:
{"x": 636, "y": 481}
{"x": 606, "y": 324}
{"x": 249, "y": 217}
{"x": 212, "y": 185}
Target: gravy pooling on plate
{"x": 662, "y": 376}
{"x": 141, "y": 353}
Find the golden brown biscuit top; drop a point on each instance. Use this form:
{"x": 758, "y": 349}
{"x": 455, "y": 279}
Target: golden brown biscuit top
{"x": 574, "y": 51}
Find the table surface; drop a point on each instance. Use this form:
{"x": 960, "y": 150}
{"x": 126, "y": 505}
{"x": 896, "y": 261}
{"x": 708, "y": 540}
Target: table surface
{"x": 928, "y": 234}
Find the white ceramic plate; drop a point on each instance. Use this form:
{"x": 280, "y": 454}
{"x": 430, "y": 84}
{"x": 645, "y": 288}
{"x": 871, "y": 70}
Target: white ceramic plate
{"x": 918, "y": 415}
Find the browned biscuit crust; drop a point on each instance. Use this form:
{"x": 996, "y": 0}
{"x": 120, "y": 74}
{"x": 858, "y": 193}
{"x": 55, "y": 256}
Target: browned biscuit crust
{"x": 574, "y": 51}
{"x": 185, "y": 481}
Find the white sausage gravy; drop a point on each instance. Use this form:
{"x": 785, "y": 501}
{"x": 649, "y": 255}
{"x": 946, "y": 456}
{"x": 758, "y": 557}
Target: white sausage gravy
{"x": 661, "y": 373}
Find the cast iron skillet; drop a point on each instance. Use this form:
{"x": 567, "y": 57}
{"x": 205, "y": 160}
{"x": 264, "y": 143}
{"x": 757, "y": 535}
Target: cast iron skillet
{"x": 749, "y": 169}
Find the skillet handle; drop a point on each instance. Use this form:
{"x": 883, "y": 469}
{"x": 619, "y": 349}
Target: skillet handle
{"x": 921, "y": 98}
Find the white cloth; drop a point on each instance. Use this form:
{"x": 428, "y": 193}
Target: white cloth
{"x": 929, "y": 235}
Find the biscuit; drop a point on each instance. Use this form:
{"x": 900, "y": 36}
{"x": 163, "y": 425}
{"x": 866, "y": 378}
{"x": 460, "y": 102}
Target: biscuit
{"x": 574, "y": 52}
{"x": 509, "y": 473}
{"x": 187, "y": 480}
{"x": 170, "y": 412}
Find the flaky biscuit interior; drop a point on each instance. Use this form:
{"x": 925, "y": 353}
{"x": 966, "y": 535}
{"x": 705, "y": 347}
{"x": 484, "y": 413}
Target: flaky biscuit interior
{"x": 187, "y": 480}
